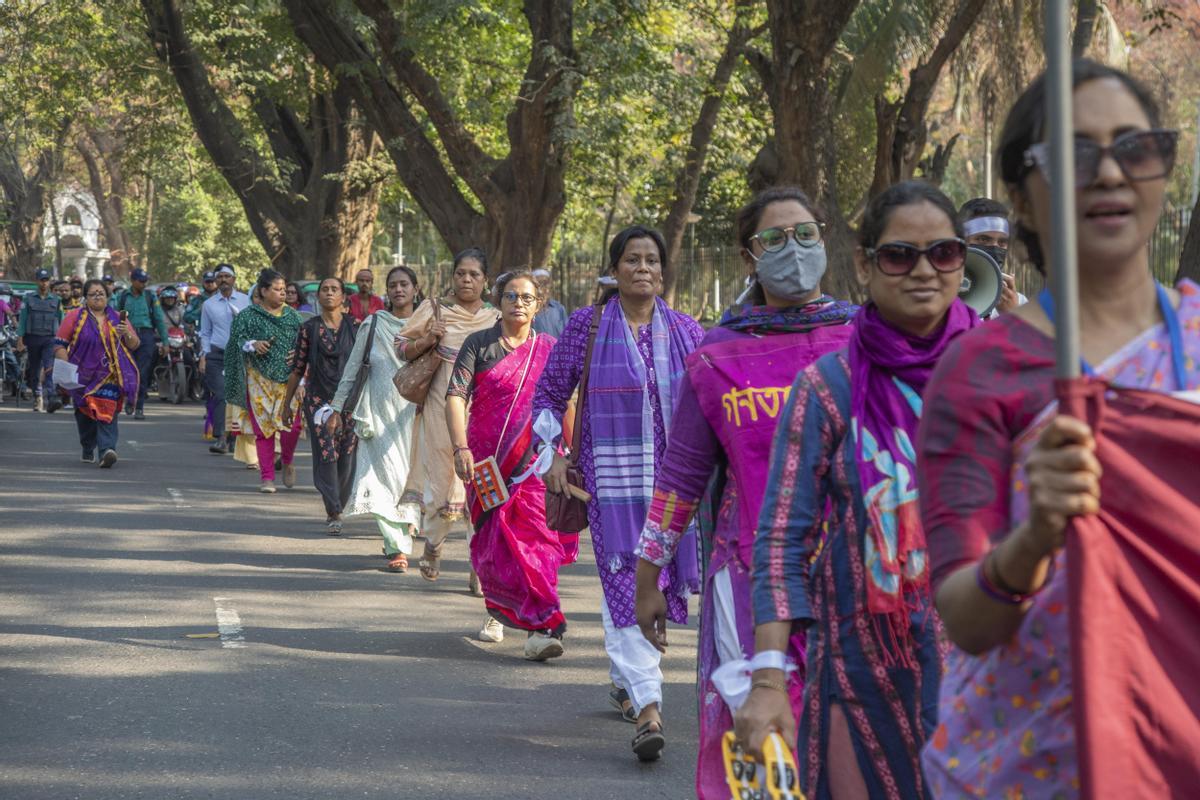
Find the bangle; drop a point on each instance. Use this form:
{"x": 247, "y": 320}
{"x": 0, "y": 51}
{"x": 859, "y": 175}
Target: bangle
{"x": 458, "y": 450}
{"x": 767, "y": 683}
{"x": 1006, "y": 595}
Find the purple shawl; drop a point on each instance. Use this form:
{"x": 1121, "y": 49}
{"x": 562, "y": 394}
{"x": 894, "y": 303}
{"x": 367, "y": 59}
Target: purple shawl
{"x": 93, "y": 350}
{"x": 622, "y": 420}
{"x": 888, "y": 373}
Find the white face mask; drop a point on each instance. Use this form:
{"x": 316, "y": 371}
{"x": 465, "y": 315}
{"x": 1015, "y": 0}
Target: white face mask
{"x": 793, "y": 272}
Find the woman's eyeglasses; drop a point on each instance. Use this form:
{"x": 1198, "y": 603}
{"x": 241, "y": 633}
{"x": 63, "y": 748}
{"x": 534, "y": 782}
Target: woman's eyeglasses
{"x": 97, "y": 295}
{"x": 523, "y": 299}
{"x": 900, "y": 258}
{"x": 1141, "y": 155}
{"x": 772, "y": 240}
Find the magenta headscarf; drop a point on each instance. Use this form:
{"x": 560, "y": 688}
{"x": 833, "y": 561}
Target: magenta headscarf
{"x": 888, "y": 373}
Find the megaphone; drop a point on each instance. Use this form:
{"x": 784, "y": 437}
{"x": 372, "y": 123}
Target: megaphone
{"x": 982, "y": 283}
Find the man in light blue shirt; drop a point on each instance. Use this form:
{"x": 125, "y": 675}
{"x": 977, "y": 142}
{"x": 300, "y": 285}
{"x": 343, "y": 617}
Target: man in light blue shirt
{"x": 216, "y": 317}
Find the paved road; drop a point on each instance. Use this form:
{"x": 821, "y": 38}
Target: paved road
{"x": 347, "y": 681}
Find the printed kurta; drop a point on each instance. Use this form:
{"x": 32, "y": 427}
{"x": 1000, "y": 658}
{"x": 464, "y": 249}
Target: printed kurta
{"x": 809, "y": 569}
{"x": 1006, "y": 727}
{"x": 558, "y": 382}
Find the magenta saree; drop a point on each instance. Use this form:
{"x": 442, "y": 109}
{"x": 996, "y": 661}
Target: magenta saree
{"x": 515, "y": 555}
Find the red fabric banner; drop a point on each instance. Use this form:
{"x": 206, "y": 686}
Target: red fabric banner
{"x": 1134, "y": 572}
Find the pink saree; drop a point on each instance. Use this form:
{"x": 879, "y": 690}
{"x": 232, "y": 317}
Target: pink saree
{"x": 515, "y": 555}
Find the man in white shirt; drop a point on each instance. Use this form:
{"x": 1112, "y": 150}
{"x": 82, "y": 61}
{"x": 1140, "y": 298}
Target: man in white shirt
{"x": 216, "y": 317}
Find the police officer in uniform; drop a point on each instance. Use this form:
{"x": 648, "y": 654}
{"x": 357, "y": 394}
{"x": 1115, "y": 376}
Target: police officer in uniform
{"x": 146, "y": 317}
{"x": 41, "y": 314}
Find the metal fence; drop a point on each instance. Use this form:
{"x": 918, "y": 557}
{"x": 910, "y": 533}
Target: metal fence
{"x": 710, "y": 278}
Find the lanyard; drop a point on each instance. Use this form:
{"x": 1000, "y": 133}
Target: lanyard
{"x": 1170, "y": 318}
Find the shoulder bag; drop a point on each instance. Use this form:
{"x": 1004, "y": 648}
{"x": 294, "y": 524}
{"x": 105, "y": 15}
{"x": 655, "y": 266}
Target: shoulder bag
{"x": 567, "y": 513}
{"x": 364, "y": 370}
{"x": 414, "y": 378}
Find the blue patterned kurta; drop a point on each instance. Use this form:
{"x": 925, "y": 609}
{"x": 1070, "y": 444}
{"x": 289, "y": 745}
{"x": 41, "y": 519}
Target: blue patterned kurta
{"x": 808, "y": 568}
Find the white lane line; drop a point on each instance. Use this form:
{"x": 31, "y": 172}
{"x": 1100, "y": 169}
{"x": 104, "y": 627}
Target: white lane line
{"x": 135, "y": 445}
{"x": 229, "y": 623}
{"x": 177, "y": 498}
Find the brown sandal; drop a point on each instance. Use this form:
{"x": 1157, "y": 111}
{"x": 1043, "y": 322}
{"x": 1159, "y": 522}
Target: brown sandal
{"x": 398, "y": 563}
{"x": 430, "y": 562}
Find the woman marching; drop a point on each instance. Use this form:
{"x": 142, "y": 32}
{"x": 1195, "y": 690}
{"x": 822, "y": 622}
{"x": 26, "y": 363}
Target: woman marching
{"x": 445, "y": 328}
{"x": 1005, "y": 472}
{"x": 99, "y": 343}
{"x": 729, "y": 404}
{"x": 638, "y": 346}
{"x": 256, "y": 375}
{"x": 323, "y": 349}
{"x": 840, "y": 551}
{"x": 383, "y": 422}
{"x": 513, "y": 552}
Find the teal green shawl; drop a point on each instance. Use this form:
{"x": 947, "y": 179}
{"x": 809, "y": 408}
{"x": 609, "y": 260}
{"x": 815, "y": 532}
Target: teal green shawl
{"x": 255, "y": 323}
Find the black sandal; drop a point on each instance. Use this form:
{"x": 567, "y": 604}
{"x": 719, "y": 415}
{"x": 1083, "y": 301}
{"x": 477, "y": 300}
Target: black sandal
{"x": 618, "y": 698}
{"x": 648, "y": 744}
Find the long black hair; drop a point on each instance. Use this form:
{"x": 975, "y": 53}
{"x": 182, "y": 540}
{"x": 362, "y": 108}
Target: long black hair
{"x": 1026, "y": 126}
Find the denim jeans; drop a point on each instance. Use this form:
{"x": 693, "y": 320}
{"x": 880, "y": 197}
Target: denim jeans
{"x": 96, "y": 436}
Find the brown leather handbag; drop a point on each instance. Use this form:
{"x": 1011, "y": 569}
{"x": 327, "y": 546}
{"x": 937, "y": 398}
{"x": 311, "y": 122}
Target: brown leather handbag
{"x": 567, "y": 513}
{"x": 413, "y": 379}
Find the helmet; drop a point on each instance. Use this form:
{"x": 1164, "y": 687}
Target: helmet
{"x": 169, "y": 291}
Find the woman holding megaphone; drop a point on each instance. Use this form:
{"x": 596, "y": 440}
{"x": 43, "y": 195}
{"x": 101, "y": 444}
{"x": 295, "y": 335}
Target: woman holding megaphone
{"x": 839, "y": 551}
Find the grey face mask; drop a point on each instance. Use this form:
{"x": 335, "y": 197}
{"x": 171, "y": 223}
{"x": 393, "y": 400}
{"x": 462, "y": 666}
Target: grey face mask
{"x": 792, "y": 272}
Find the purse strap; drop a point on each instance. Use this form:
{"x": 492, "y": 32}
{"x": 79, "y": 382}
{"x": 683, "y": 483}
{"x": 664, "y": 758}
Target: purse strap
{"x": 366, "y": 362}
{"x": 577, "y": 431}
{"x": 517, "y": 396}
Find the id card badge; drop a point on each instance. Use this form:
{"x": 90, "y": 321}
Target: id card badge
{"x": 775, "y": 779}
{"x": 489, "y": 484}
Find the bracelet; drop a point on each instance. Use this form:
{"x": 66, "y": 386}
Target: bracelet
{"x": 458, "y": 450}
{"x": 767, "y": 683}
{"x": 1006, "y": 595}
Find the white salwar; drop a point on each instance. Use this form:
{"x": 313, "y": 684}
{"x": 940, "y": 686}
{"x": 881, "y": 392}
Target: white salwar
{"x": 383, "y": 421}
{"x": 634, "y": 663}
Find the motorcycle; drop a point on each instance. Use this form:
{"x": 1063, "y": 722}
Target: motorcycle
{"x": 12, "y": 365}
{"x": 176, "y": 372}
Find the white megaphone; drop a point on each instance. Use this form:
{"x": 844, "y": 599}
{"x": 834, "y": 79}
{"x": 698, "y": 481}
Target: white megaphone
{"x": 982, "y": 283}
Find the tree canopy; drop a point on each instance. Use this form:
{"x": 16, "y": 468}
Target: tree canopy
{"x": 304, "y": 133}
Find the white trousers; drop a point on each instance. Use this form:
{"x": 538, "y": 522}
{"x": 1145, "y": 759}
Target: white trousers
{"x": 633, "y": 662}
{"x": 729, "y": 648}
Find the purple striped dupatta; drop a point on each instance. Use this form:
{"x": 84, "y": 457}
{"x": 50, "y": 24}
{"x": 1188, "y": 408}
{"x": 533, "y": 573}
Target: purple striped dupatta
{"x": 622, "y": 421}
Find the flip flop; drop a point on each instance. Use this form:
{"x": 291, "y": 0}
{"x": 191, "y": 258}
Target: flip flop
{"x": 431, "y": 560}
{"x": 618, "y": 698}
{"x": 648, "y": 744}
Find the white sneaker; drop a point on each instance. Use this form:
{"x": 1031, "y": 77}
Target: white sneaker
{"x": 542, "y": 646}
{"x": 492, "y": 631}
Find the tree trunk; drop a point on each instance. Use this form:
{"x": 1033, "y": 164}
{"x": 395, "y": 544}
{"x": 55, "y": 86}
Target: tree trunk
{"x": 523, "y": 194}
{"x": 308, "y": 214}
{"x": 1189, "y": 259}
{"x": 23, "y": 205}
{"x": 1085, "y": 26}
{"x": 687, "y": 179}
{"x": 803, "y": 149}
{"x": 906, "y": 129}
{"x": 142, "y": 256}
{"x": 109, "y": 204}
{"x": 58, "y": 262}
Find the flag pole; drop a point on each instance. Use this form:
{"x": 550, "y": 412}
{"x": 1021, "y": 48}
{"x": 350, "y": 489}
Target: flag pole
{"x": 1063, "y": 246}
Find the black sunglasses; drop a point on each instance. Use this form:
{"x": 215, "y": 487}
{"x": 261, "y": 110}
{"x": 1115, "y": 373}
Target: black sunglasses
{"x": 1141, "y": 155}
{"x": 900, "y": 258}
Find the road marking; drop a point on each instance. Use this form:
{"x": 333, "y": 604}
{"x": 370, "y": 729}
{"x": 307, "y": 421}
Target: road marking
{"x": 134, "y": 444}
{"x": 229, "y": 624}
{"x": 177, "y": 498}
